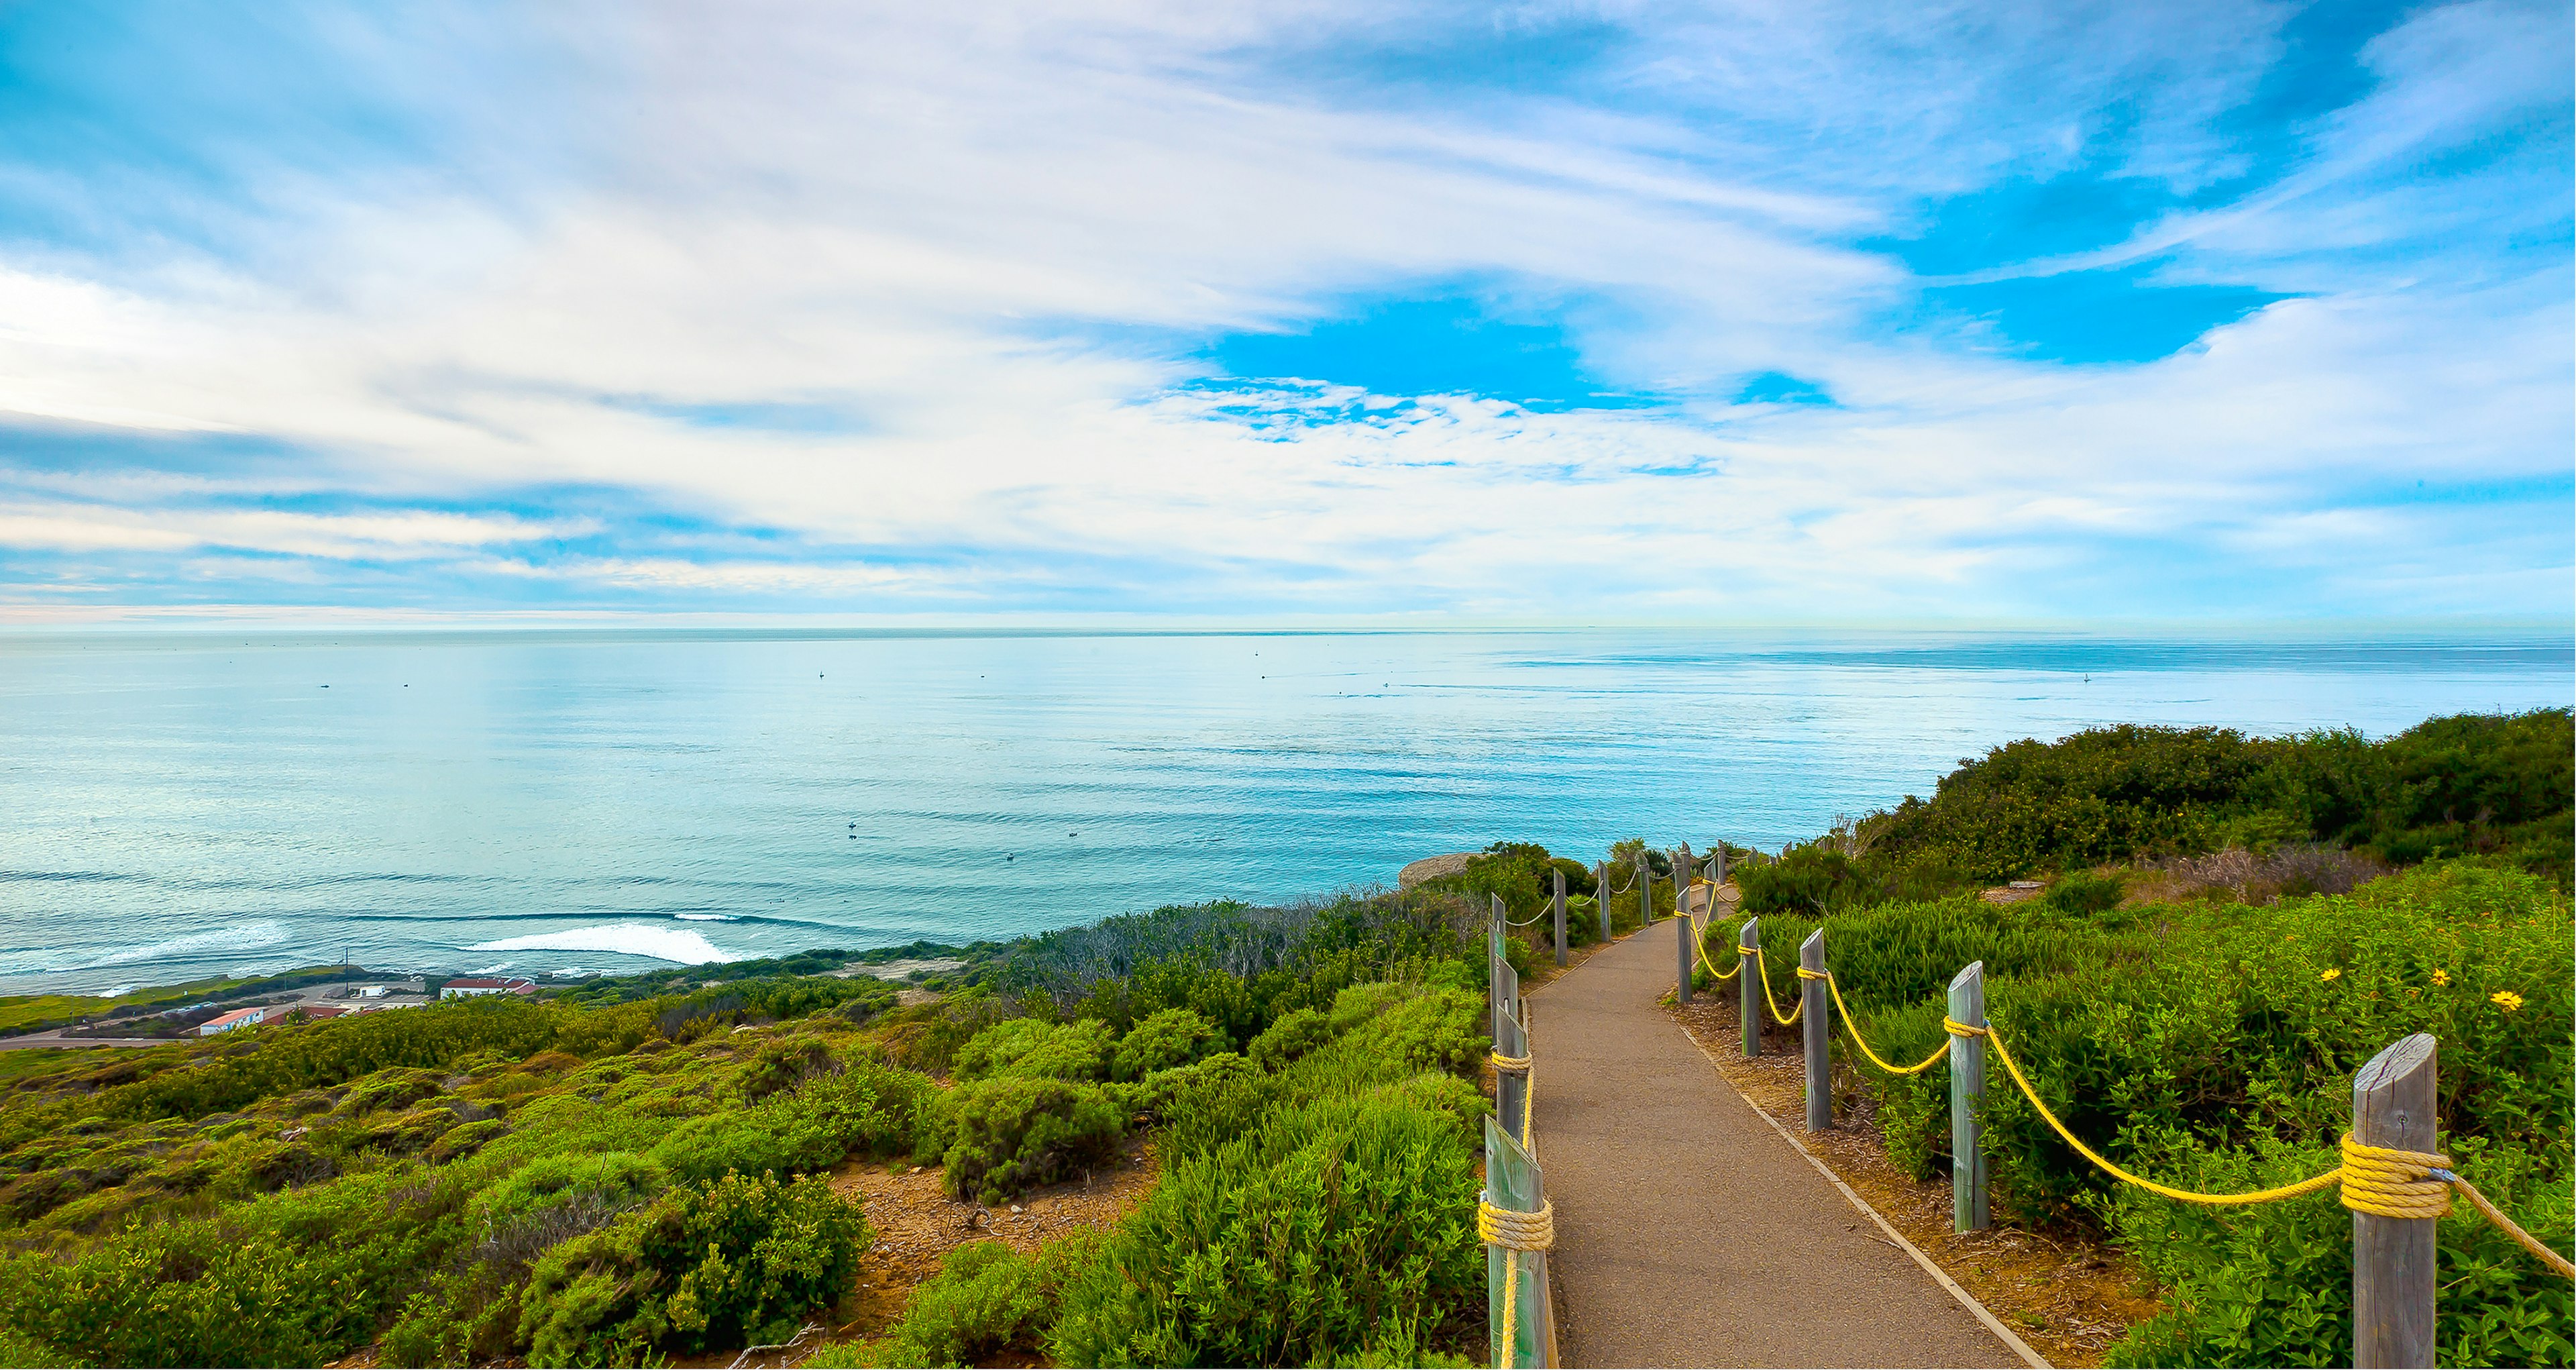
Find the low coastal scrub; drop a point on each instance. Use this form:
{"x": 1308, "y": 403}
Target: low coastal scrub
{"x": 2306, "y": 814}
{"x": 2213, "y": 1046}
{"x": 617, "y": 1176}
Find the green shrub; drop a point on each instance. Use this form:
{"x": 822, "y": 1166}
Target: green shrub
{"x": 2083, "y": 892}
{"x": 1291, "y": 1037}
{"x": 986, "y": 1301}
{"x": 1078, "y": 1050}
{"x": 738, "y": 1260}
{"x": 21, "y": 1353}
{"x": 188, "y": 1294}
{"x": 1809, "y": 881}
{"x": 465, "y": 1139}
{"x": 869, "y": 1108}
{"x": 1429, "y": 1030}
{"x": 1167, "y": 1038}
{"x": 1327, "y": 1227}
{"x": 615, "y": 1180}
{"x": 1159, "y": 1094}
{"x": 1011, "y": 1132}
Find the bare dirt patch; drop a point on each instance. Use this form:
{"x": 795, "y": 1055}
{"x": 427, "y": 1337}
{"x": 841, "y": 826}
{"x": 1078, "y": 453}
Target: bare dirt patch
{"x": 2066, "y": 1293}
{"x": 916, "y": 1224}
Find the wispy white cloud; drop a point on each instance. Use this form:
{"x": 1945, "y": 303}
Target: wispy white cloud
{"x": 981, "y": 251}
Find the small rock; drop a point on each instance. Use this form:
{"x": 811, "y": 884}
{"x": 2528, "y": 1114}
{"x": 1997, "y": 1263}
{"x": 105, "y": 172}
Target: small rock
{"x": 914, "y": 1171}
{"x": 1016, "y": 1208}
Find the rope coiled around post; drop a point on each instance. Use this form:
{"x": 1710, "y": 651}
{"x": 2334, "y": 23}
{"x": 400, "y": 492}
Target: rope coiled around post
{"x": 1515, "y": 1232}
{"x": 2390, "y": 1183}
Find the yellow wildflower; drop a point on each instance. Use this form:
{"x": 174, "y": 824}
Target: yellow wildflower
{"x": 2330, "y": 973}
{"x": 2439, "y": 977}
{"x": 2506, "y": 999}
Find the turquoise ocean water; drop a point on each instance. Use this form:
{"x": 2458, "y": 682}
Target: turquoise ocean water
{"x": 175, "y": 805}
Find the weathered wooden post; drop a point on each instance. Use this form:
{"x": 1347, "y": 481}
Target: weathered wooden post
{"x": 2393, "y": 1105}
{"x": 1967, "y": 1097}
{"x": 1681, "y": 877}
{"x": 1517, "y": 1314}
{"x": 1683, "y": 931}
{"x": 1601, "y": 897}
{"x": 1748, "y": 983}
{"x": 1645, "y": 889}
{"x": 1815, "y": 1004}
{"x": 1506, "y": 994}
{"x": 1512, "y": 1083}
{"x": 1559, "y": 905}
{"x": 1717, "y": 864}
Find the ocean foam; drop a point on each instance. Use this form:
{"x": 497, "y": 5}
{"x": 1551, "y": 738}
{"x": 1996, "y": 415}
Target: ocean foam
{"x": 236, "y": 937}
{"x": 704, "y": 917}
{"x": 628, "y": 939}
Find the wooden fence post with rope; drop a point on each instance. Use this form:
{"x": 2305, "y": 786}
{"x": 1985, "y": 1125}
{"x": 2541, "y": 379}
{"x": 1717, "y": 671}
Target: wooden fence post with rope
{"x": 1518, "y": 1228}
{"x": 1559, "y": 906}
{"x": 1685, "y": 932}
{"x": 1749, "y": 986}
{"x": 1967, "y": 1097}
{"x": 1645, "y": 890}
{"x": 1811, "y": 998}
{"x": 1511, "y": 1077}
{"x": 1601, "y": 897}
{"x": 2394, "y": 1106}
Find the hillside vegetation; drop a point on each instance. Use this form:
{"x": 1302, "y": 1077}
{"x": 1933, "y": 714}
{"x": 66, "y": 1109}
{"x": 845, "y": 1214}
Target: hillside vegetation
{"x": 2217, "y": 953}
{"x": 2497, "y": 786}
{"x": 629, "y": 1176}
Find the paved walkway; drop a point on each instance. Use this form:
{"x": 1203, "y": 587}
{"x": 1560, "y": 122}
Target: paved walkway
{"x": 1687, "y": 1232}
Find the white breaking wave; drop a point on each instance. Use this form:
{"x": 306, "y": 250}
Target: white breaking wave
{"x": 704, "y": 917}
{"x": 235, "y": 937}
{"x": 630, "y": 939}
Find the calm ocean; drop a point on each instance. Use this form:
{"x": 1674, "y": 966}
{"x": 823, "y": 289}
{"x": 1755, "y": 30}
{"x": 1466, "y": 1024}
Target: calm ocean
{"x": 176, "y": 805}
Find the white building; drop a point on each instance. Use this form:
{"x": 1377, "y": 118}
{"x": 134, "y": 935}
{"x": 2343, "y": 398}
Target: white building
{"x": 238, "y": 1018}
{"x": 471, "y": 986}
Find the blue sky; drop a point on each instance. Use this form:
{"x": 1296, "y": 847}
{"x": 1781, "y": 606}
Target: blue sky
{"x": 1805, "y": 313}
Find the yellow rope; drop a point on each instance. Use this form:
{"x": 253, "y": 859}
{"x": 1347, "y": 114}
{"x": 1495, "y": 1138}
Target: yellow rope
{"x": 1699, "y": 944}
{"x": 1515, "y": 1232}
{"x": 2392, "y": 1183}
{"x": 2530, "y": 1243}
{"x": 2382, "y": 1181}
{"x": 1529, "y": 1100}
{"x": 2306, "y": 1186}
{"x": 1763, "y": 968}
{"x": 1516, "y": 1064}
{"x": 1844, "y": 1014}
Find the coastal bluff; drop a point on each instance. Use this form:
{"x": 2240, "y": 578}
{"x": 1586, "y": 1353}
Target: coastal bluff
{"x": 1432, "y": 868}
